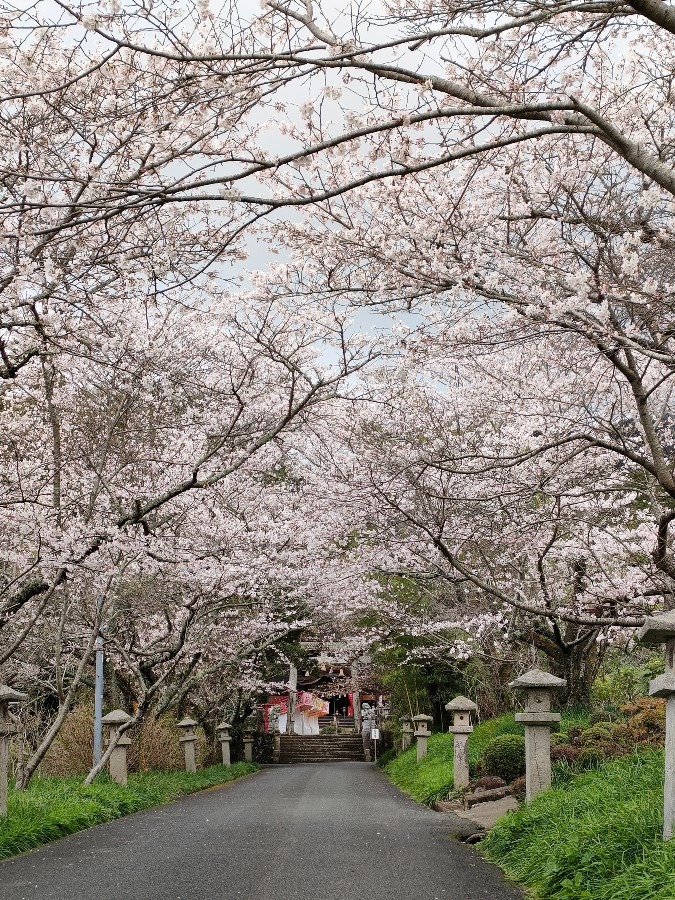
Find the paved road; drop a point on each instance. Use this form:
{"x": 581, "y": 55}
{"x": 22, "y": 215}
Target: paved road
{"x": 304, "y": 832}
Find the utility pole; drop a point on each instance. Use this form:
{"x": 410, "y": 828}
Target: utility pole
{"x": 98, "y": 690}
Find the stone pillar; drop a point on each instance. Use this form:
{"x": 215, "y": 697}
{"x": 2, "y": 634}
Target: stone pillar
{"x": 406, "y": 733}
{"x": 461, "y": 709}
{"x": 292, "y": 694}
{"x": 7, "y": 730}
{"x": 422, "y": 733}
{"x": 248, "y": 745}
{"x": 117, "y": 764}
{"x": 537, "y": 720}
{"x": 188, "y": 739}
{"x": 655, "y": 631}
{"x": 356, "y": 698}
{"x": 223, "y": 731}
{"x": 276, "y": 752}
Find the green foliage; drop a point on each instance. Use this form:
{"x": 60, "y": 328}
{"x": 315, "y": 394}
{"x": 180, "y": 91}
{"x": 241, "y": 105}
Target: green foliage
{"x": 504, "y": 756}
{"x": 601, "y": 731}
{"x": 590, "y": 758}
{"x": 623, "y": 682}
{"x": 385, "y": 758}
{"x": 642, "y": 726}
{"x": 54, "y": 807}
{"x": 596, "y": 838}
{"x": 432, "y": 778}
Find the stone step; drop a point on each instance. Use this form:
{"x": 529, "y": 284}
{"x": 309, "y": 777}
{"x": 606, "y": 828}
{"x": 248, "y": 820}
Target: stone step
{"x": 313, "y": 759}
{"x": 315, "y": 748}
{"x": 321, "y": 738}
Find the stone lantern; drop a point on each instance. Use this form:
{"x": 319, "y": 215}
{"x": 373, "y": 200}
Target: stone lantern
{"x": 461, "y": 709}
{"x": 656, "y": 631}
{"x": 188, "y": 739}
{"x": 117, "y": 764}
{"x": 406, "y": 733}
{"x": 248, "y": 744}
{"x": 7, "y": 730}
{"x": 537, "y": 720}
{"x": 223, "y": 732}
{"x": 422, "y": 733}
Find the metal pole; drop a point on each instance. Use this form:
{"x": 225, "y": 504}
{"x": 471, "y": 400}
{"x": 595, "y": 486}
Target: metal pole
{"x": 98, "y": 702}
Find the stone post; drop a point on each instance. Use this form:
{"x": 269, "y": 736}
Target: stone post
{"x": 7, "y": 729}
{"x": 188, "y": 739}
{"x": 276, "y": 751}
{"x": 422, "y": 734}
{"x": 537, "y": 720}
{"x": 461, "y": 709}
{"x": 248, "y": 745}
{"x": 223, "y": 732}
{"x": 292, "y": 696}
{"x": 117, "y": 764}
{"x": 655, "y": 631}
{"x": 406, "y": 733}
{"x": 356, "y": 698}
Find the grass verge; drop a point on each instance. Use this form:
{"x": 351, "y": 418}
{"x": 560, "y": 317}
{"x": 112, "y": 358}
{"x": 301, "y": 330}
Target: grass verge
{"x": 432, "y": 778}
{"x": 52, "y": 808}
{"x": 598, "y": 837}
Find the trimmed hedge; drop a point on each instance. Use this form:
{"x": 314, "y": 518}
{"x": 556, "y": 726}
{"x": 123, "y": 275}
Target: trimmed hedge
{"x": 52, "y": 808}
{"x": 504, "y": 756}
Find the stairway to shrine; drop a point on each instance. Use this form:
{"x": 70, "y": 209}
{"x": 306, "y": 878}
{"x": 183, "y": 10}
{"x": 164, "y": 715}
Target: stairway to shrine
{"x": 342, "y": 721}
{"x": 321, "y": 748}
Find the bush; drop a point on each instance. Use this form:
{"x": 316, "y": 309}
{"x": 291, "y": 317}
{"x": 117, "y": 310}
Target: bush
{"x": 559, "y": 737}
{"x": 154, "y": 746}
{"x": 504, "y": 756}
{"x": 518, "y": 787}
{"x": 591, "y": 757}
{"x": 567, "y": 752}
{"x": 602, "y": 731}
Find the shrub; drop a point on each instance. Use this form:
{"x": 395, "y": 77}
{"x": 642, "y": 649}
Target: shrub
{"x": 575, "y": 731}
{"x": 559, "y": 737}
{"x": 71, "y": 750}
{"x": 518, "y": 788}
{"x": 567, "y": 752}
{"x": 591, "y": 757}
{"x": 602, "y": 731}
{"x": 504, "y": 756}
{"x": 155, "y": 746}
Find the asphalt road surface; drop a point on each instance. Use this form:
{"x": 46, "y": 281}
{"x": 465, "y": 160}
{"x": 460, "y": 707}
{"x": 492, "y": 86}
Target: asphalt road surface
{"x": 339, "y": 831}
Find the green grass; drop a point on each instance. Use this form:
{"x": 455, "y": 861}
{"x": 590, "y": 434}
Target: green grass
{"x": 432, "y": 778}
{"x": 54, "y": 807}
{"x": 596, "y": 838}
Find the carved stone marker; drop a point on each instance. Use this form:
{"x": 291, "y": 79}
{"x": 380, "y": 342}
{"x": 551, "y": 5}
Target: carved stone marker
{"x": 537, "y": 720}
{"x": 461, "y": 709}
{"x": 248, "y": 745}
{"x": 188, "y": 739}
{"x": 7, "y": 730}
{"x": 223, "y": 731}
{"x": 117, "y": 764}
{"x": 655, "y": 631}
{"x": 422, "y": 734}
{"x": 406, "y": 733}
